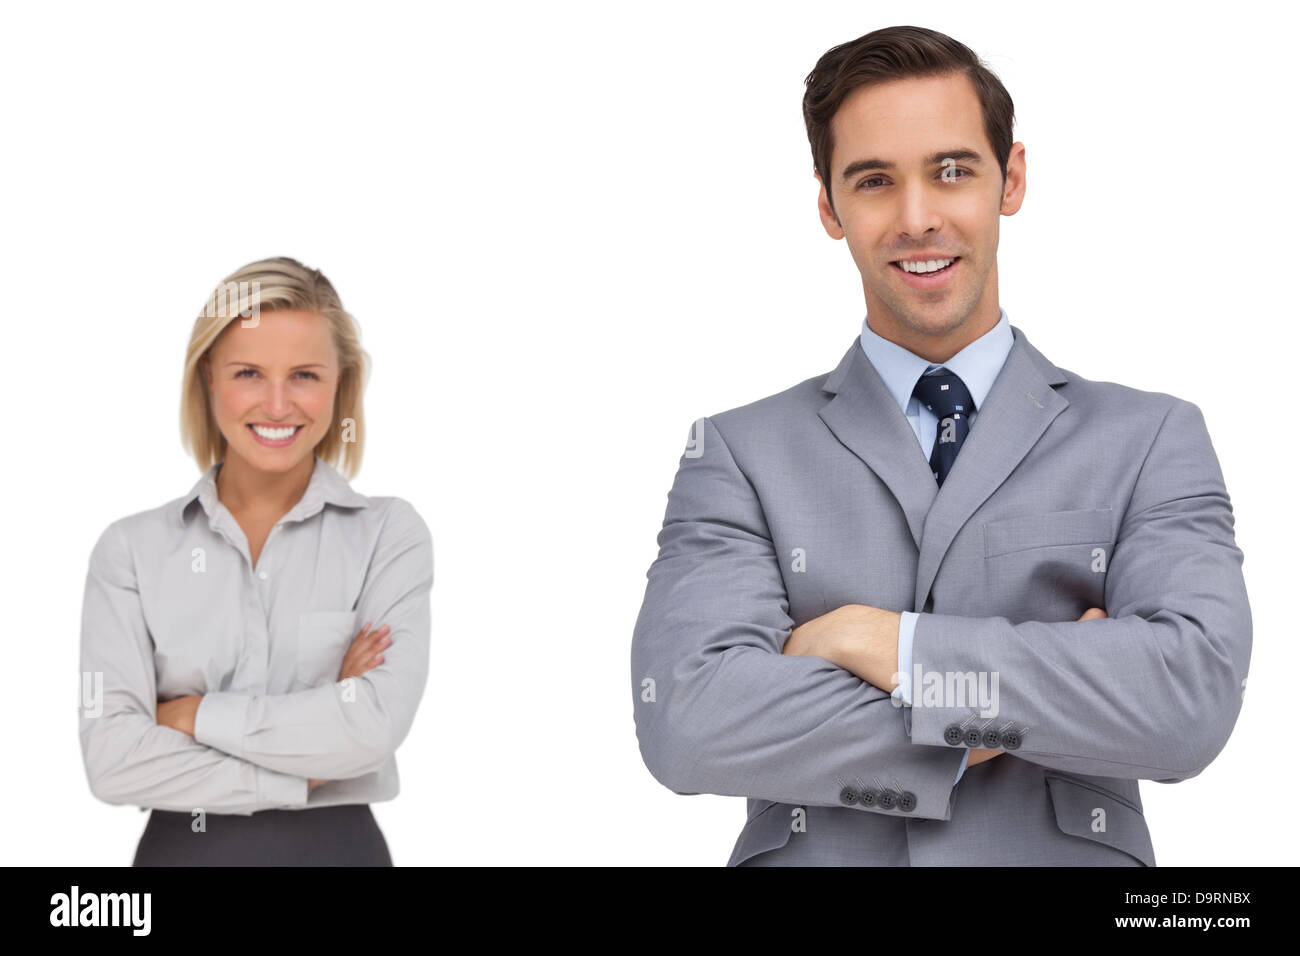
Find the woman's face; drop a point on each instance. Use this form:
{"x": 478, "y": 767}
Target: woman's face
{"x": 273, "y": 386}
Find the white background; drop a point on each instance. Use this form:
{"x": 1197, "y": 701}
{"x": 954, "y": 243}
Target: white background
{"x": 569, "y": 230}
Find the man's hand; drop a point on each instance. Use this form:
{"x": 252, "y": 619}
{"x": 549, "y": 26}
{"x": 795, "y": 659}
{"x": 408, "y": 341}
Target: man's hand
{"x": 979, "y": 754}
{"x": 857, "y": 637}
{"x": 864, "y": 640}
{"x": 178, "y": 713}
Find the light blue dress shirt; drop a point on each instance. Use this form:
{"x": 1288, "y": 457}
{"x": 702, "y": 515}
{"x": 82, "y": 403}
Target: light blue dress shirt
{"x": 977, "y": 365}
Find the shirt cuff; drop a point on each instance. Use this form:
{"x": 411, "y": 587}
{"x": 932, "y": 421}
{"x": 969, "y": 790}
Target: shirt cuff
{"x": 906, "y": 630}
{"x": 219, "y": 722}
{"x": 962, "y": 769}
{"x": 275, "y": 789}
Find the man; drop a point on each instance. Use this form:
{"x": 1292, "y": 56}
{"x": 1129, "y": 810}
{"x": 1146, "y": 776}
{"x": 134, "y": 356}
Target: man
{"x": 948, "y": 603}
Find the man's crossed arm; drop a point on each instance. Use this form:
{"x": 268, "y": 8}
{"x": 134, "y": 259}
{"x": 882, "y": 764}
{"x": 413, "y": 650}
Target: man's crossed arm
{"x": 1152, "y": 691}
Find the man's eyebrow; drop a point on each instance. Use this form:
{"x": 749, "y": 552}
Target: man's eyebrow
{"x": 934, "y": 159}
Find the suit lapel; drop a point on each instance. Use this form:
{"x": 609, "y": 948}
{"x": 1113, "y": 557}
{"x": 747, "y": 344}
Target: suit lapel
{"x": 1016, "y": 412}
{"x": 867, "y": 420}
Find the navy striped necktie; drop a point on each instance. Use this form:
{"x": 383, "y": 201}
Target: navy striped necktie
{"x": 943, "y": 393}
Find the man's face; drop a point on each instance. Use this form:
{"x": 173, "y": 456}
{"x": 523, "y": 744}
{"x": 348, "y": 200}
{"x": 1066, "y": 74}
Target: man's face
{"x": 898, "y": 199}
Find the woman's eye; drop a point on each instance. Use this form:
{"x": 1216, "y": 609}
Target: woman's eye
{"x": 252, "y": 371}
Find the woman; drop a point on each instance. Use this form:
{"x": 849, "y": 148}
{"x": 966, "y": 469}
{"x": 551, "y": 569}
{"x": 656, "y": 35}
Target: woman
{"x": 253, "y": 653}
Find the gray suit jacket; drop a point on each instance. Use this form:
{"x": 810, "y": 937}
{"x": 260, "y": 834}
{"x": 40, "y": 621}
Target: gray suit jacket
{"x": 1067, "y": 494}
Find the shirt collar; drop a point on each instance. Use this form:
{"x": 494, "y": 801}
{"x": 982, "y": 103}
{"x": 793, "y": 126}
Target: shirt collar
{"x": 326, "y": 486}
{"x": 977, "y": 365}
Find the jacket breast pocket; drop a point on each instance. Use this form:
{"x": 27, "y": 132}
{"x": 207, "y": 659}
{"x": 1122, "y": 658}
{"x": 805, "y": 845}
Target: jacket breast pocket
{"x": 1056, "y": 529}
{"x": 323, "y": 639}
{"x": 1046, "y": 567}
{"x": 1102, "y": 816}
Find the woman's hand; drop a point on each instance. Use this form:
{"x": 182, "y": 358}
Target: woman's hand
{"x": 365, "y": 652}
{"x": 178, "y": 713}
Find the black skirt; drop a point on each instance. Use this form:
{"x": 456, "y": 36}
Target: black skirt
{"x": 341, "y": 835}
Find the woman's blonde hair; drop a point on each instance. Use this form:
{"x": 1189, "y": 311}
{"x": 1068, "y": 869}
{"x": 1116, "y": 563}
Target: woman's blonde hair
{"x": 270, "y": 285}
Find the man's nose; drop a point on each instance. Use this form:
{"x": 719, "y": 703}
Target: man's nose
{"x": 918, "y": 212}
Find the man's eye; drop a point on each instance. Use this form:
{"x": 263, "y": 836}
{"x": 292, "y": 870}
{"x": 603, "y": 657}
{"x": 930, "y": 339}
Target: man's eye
{"x": 946, "y": 175}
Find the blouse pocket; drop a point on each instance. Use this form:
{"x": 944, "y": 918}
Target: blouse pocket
{"x": 1054, "y": 529}
{"x": 323, "y": 639}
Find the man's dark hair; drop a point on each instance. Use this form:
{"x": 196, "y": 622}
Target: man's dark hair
{"x": 895, "y": 53}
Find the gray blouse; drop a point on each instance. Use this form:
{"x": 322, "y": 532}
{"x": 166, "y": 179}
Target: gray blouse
{"x": 174, "y": 606}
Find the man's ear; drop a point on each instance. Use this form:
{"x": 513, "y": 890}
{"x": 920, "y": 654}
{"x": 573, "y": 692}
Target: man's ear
{"x": 830, "y": 221}
{"x": 1013, "y": 190}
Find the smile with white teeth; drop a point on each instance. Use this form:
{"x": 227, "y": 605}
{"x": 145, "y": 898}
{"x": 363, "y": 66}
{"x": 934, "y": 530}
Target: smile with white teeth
{"x": 275, "y": 434}
{"x": 925, "y": 267}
